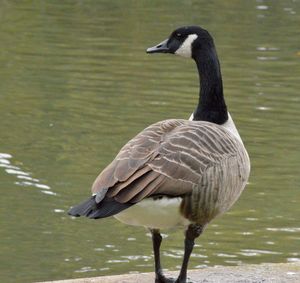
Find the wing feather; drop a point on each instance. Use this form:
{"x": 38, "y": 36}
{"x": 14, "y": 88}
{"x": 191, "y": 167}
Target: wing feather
{"x": 136, "y": 187}
{"x": 121, "y": 185}
{"x": 167, "y": 158}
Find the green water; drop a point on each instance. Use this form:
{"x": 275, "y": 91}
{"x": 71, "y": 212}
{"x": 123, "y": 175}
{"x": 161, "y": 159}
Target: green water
{"x": 76, "y": 84}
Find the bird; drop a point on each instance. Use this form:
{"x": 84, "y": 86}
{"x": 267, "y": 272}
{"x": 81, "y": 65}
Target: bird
{"x": 177, "y": 173}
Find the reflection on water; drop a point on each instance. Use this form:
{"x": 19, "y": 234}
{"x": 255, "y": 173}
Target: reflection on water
{"x": 76, "y": 84}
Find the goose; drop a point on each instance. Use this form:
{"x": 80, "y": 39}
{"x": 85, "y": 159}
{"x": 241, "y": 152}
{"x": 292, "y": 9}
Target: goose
{"x": 176, "y": 172}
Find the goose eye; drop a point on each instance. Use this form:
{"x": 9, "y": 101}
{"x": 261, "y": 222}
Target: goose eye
{"x": 178, "y": 35}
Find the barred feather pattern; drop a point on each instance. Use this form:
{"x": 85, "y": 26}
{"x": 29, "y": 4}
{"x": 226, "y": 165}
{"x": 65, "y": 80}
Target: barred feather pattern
{"x": 199, "y": 161}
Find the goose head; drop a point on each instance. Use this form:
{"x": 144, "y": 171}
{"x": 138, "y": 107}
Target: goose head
{"x": 185, "y": 41}
{"x": 196, "y": 43}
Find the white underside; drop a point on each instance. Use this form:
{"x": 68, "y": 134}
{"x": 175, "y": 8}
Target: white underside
{"x": 160, "y": 214}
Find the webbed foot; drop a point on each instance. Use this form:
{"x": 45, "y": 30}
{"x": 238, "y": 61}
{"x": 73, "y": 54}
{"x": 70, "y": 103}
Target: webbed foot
{"x": 184, "y": 281}
{"x": 163, "y": 279}
{"x": 160, "y": 278}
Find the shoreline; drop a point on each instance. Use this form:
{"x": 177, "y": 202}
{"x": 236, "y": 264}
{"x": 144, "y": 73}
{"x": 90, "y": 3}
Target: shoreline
{"x": 262, "y": 273}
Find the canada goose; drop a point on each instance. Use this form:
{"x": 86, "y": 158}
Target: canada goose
{"x": 177, "y": 172}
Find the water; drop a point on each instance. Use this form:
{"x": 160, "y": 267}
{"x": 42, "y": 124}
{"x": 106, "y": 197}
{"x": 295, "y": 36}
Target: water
{"x": 76, "y": 84}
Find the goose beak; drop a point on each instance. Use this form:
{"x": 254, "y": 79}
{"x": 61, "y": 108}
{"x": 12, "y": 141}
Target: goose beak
{"x": 159, "y": 48}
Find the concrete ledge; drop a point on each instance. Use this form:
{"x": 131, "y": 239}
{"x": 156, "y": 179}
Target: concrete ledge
{"x": 264, "y": 273}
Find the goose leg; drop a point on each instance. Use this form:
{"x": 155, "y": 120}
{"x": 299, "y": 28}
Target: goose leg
{"x": 156, "y": 240}
{"x": 193, "y": 231}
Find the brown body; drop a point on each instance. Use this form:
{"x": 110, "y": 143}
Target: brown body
{"x": 199, "y": 161}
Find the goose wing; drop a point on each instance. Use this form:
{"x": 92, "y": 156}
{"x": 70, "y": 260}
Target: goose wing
{"x": 167, "y": 158}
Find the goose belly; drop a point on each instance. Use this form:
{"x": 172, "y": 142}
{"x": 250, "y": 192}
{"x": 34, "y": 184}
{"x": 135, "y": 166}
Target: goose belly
{"x": 154, "y": 213}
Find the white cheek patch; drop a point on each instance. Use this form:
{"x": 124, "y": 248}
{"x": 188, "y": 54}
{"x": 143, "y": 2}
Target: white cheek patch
{"x": 185, "y": 49}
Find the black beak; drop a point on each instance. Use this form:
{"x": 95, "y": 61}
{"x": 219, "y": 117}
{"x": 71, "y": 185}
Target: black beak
{"x": 159, "y": 48}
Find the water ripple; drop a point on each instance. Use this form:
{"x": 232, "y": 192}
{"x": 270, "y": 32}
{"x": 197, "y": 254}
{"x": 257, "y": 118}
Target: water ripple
{"x": 287, "y": 229}
{"x": 25, "y": 177}
{"x": 85, "y": 269}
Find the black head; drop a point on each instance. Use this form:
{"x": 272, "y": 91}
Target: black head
{"x": 184, "y": 41}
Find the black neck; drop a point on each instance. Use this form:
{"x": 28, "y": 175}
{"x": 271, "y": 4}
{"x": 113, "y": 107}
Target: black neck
{"x": 211, "y": 106}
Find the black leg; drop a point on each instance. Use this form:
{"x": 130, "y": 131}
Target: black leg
{"x": 191, "y": 234}
{"x": 156, "y": 240}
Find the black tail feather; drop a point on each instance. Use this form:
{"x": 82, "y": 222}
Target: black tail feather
{"x": 89, "y": 208}
{"x": 84, "y": 208}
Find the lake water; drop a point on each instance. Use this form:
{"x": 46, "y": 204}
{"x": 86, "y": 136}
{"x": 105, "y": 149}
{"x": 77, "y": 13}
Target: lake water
{"x": 76, "y": 85}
